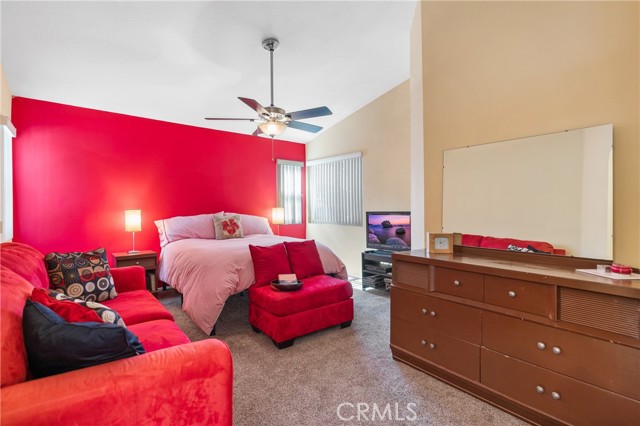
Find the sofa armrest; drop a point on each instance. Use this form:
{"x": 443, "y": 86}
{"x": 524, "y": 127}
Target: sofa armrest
{"x": 182, "y": 385}
{"x": 129, "y": 278}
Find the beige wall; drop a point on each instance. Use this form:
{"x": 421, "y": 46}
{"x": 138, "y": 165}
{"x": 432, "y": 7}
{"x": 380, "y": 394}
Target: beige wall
{"x": 494, "y": 71}
{"x": 381, "y": 131}
{"x": 5, "y": 95}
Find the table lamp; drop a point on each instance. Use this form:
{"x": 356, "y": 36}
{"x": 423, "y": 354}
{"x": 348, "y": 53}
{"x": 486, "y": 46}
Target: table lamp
{"x": 133, "y": 224}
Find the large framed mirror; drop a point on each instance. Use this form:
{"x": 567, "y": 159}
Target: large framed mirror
{"x": 556, "y": 188}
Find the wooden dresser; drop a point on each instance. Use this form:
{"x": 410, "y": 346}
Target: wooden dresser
{"x": 526, "y": 333}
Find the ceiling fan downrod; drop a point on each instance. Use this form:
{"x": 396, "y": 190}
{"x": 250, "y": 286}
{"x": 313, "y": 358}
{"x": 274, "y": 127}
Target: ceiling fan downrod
{"x": 271, "y": 44}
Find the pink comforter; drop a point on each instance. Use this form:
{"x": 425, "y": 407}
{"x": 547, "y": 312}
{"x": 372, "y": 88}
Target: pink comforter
{"x": 207, "y": 272}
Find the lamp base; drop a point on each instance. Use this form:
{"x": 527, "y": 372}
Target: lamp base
{"x": 133, "y": 251}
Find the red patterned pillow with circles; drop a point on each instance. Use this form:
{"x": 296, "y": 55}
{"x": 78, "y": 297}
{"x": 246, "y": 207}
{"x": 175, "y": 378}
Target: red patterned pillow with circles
{"x": 84, "y": 275}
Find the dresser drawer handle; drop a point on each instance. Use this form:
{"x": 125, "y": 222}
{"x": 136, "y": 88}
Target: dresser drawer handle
{"x": 456, "y": 283}
{"x": 433, "y": 313}
{"x": 137, "y": 262}
{"x": 424, "y": 311}
{"x": 423, "y": 342}
{"x": 511, "y": 294}
{"x": 432, "y": 345}
{"x": 539, "y": 389}
{"x": 556, "y": 350}
{"x": 555, "y": 395}
{"x": 541, "y": 346}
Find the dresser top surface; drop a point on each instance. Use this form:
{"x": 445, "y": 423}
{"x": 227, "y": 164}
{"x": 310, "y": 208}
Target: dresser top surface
{"x": 523, "y": 266}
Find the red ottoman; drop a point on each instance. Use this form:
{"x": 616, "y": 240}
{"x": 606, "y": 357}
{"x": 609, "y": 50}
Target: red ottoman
{"x": 322, "y": 302}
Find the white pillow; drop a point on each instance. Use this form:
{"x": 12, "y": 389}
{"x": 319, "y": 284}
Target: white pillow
{"x": 254, "y": 224}
{"x": 183, "y": 227}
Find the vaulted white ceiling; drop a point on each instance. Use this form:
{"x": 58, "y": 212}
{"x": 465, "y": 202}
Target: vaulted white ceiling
{"x": 183, "y": 61}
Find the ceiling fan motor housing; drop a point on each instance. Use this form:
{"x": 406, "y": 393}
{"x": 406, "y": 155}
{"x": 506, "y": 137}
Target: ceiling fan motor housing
{"x": 270, "y": 44}
{"x": 276, "y": 114}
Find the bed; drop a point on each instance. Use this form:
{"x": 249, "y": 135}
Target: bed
{"x": 208, "y": 271}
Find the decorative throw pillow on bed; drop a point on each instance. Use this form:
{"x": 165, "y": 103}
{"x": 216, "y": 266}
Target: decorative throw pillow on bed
{"x": 85, "y": 275}
{"x": 304, "y": 258}
{"x": 56, "y": 346}
{"x": 74, "y": 309}
{"x": 269, "y": 262}
{"x": 227, "y": 226}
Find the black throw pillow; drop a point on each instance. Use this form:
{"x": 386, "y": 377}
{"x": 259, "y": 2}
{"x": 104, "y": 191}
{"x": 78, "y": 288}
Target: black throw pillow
{"x": 55, "y": 346}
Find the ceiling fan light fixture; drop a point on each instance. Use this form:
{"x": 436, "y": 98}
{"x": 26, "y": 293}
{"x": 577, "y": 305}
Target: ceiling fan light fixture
{"x": 272, "y": 128}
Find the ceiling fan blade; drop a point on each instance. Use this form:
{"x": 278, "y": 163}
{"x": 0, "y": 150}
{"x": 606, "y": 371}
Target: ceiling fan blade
{"x": 255, "y": 105}
{"x": 310, "y": 113}
{"x": 237, "y": 119}
{"x": 305, "y": 126}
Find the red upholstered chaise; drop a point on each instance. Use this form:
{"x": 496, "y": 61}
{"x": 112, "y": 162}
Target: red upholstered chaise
{"x": 323, "y": 301}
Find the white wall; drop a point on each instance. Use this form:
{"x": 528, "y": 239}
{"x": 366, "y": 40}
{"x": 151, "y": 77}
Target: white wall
{"x": 381, "y": 131}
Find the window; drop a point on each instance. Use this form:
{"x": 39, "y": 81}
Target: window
{"x": 289, "y": 183}
{"x": 335, "y": 190}
{"x": 8, "y": 132}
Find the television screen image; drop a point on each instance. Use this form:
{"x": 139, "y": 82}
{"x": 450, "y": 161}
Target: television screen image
{"x": 390, "y": 231}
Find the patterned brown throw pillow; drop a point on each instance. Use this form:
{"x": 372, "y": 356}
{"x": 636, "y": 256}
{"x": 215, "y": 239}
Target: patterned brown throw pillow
{"x": 85, "y": 275}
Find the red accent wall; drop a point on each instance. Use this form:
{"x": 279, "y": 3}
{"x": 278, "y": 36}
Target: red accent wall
{"x": 76, "y": 171}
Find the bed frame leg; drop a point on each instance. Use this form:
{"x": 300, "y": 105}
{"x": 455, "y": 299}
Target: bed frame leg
{"x": 345, "y": 324}
{"x": 283, "y": 345}
{"x": 213, "y": 331}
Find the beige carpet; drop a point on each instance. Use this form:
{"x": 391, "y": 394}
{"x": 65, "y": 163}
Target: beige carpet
{"x": 307, "y": 383}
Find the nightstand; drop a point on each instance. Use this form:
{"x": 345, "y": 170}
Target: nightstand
{"x": 148, "y": 259}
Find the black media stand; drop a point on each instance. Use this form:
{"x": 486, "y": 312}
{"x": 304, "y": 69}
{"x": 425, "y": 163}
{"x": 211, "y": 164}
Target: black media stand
{"x": 376, "y": 269}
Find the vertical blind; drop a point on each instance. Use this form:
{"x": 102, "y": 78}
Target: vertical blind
{"x": 335, "y": 190}
{"x": 289, "y": 183}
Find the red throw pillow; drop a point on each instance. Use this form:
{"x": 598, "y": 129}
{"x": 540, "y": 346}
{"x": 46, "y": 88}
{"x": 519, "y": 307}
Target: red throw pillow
{"x": 304, "y": 258}
{"x": 70, "y": 311}
{"x": 268, "y": 262}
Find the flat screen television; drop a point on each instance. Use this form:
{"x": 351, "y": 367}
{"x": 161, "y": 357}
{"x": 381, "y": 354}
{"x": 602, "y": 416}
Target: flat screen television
{"x": 389, "y": 231}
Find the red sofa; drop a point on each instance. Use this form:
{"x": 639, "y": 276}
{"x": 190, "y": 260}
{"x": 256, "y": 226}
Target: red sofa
{"x": 471, "y": 240}
{"x": 175, "y": 382}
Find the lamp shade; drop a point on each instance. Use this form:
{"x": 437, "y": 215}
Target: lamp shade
{"x": 132, "y": 220}
{"x": 272, "y": 128}
{"x": 277, "y": 215}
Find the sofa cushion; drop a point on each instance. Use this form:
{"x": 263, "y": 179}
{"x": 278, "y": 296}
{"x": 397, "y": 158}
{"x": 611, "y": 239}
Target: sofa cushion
{"x": 55, "y": 346}
{"x": 471, "y": 240}
{"x": 15, "y": 293}
{"x": 504, "y": 243}
{"x": 269, "y": 262}
{"x": 81, "y": 274}
{"x": 74, "y": 309}
{"x": 25, "y": 261}
{"x": 159, "y": 334}
{"x": 138, "y": 306}
{"x": 316, "y": 291}
{"x": 304, "y": 258}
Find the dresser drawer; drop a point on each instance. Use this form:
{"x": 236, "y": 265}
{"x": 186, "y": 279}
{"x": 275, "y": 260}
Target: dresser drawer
{"x": 458, "y": 283}
{"x": 564, "y": 398}
{"x": 520, "y": 295}
{"x": 412, "y": 274}
{"x": 439, "y": 315}
{"x": 608, "y": 312}
{"x": 599, "y": 362}
{"x": 447, "y": 352}
{"x": 145, "y": 262}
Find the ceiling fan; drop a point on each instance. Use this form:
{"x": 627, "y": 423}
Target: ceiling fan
{"x": 272, "y": 120}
